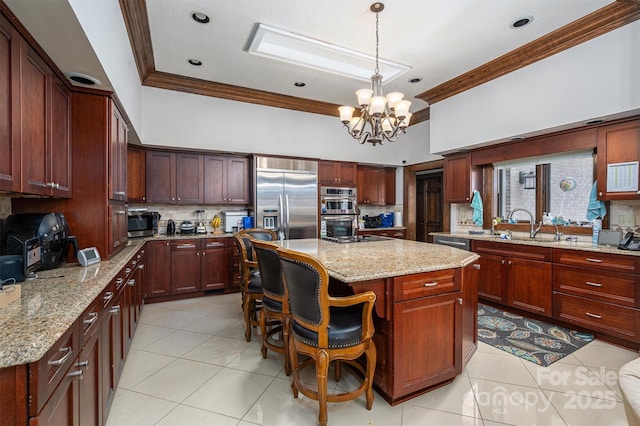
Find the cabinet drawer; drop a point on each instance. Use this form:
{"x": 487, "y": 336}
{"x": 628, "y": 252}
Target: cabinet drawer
{"x": 420, "y": 285}
{"x": 48, "y": 372}
{"x": 611, "y": 319}
{"x": 214, "y": 243}
{"x": 605, "y": 286}
{"x": 184, "y": 245}
{"x": 543, "y": 254}
{"x": 611, "y": 262}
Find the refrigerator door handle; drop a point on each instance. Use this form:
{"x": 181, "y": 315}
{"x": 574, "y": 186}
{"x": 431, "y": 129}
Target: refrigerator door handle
{"x": 286, "y": 201}
{"x": 280, "y": 218}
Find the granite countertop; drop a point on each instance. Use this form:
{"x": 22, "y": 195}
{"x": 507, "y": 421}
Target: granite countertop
{"x": 584, "y": 243}
{"x": 51, "y": 303}
{"x": 362, "y": 261}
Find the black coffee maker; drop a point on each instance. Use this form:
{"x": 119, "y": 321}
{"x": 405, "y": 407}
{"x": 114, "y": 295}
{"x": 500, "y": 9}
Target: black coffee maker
{"x": 52, "y": 230}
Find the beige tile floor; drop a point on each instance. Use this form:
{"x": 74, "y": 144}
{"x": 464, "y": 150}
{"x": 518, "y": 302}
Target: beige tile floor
{"x": 190, "y": 365}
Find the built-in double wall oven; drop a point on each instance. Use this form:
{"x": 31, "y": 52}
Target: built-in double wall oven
{"x": 338, "y": 212}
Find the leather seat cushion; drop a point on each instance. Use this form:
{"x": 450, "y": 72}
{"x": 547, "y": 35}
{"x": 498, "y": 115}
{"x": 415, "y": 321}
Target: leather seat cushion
{"x": 270, "y": 304}
{"x": 345, "y": 328}
{"x": 255, "y": 283}
{"x": 629, "y": 381}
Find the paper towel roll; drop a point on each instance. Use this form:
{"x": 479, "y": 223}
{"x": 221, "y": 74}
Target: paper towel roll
{"x": 397, "y": 219}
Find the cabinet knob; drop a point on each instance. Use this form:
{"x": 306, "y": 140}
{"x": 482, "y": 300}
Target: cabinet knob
{"x": 502, "y": 261}
{"x": 144, "y": 198}
{"x": 599, "y": 194}
{"x": 459, "y": 300}
{"x": 179, "y": 199}
{"x": 173, "y": 199}
{"x": 510, "y": 262}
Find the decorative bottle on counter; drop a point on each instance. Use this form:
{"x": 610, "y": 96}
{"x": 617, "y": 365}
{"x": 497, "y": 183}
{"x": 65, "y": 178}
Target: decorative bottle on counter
{"x": 597, "y": 225}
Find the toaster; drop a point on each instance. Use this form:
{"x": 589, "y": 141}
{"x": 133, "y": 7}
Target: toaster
{"x": 187, "y": 227}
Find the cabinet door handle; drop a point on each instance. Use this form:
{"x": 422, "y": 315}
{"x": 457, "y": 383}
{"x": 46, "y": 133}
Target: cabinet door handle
{"x": 76, "y": 374}
{"x": 459, "y": 300}
{"x": 593, "y": 284}
{"x": 92, "y": 317}
{"x": 510, "y": 263}
{"x": 596, "y": 316}
{"x": 431, "y": 284}
{"x": 131, "y": 283}
{"x": 107, "y": 296}
{"x": 476, "y": 266}
{"x": 590, "y": 259}
{"x": 502, "y": 261}
{"x": 185, "y": 246}
{"x": 67, "y": 350}
{"x": 127, "y": 271}
{"x": 83, "y": 364}
{"x": 140, "y": 266}
{"x": 115, "y": 309}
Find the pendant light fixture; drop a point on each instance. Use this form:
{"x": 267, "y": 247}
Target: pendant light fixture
{"x": 382, "y": 118}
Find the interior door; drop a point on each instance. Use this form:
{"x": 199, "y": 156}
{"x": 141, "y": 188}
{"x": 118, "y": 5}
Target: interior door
{"x": 428, "y": 206}
{"x": 301, "y": 203}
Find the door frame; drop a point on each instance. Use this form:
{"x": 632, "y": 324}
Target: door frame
{"x": 409, "y": 197}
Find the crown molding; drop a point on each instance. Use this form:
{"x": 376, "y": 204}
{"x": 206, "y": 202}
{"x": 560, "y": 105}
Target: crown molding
{"x": 608, "y": 18}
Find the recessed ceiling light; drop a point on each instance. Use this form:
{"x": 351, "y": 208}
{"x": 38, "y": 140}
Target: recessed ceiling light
{"x": 596, "y": 121}
{"x": 299, "y": 84}
{"x": 311, "y": 53}
{"x": 521, "y": 21}
{"x": 200, "y": 17}
{"x": 415, "y": 80}
{"x": 516, "y": 138}
{"x": 195, "y": 62}
{"x": 82, "y": 78}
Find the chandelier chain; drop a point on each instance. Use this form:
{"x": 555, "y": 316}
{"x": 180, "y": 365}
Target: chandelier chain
{"x": 377, "y": 43}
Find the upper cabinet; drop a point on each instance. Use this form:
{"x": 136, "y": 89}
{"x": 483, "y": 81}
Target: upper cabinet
{"x": 618, "y": 143}
{"x": 190, "y": 178}
{"x": 337, "y": 173}
{"x": 376, "y": 185}
{"x": 226, "y": 180}
{"x": 136, "y": 175}
{"x": 44, "y": 128}
{"x": 9, "y": 107}
{"x": 117, "y": 155}
{"x": 460, "y": 179}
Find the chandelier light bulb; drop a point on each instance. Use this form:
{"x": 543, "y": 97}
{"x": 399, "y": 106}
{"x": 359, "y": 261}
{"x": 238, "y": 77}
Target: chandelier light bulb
{"x": 382, "y": 118}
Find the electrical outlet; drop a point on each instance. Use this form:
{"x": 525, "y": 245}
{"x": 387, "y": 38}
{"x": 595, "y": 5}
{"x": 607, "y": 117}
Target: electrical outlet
{"x": 626, "y": 220}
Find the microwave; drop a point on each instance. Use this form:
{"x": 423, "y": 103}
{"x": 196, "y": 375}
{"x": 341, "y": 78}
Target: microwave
{"x": 338, "y": 226}
{"x": 142, "y": 224}
{"x": 338, "y": 200}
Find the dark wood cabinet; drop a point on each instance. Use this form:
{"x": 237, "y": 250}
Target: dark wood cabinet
{"x": 376, "y": 185}
{"x": 598, "y": 291}
{"x": 337, "y": 173}
{"x": 90, "y": 383}
{"x": 385, "y": 232}
{"x": 157, "y": 281}
{"x": 44, "y": 128}
{"x": 185, "y": 266}
{"x": 108, "y": 336}
{"x": 460, "y": 179}
{"x": 213, "y": 263}
{"x": 117, "y": 155}
{"x": 136, "y": 175}
{"x": 117, "y": 225}
{"x": 514, "y": 276}
{"x": 13, "y": 395}
{"x": 470, "y": 274}
{"x": 189, "y": 179}
{"x": 9, "y": 107}
{"x": 234, "y": 281}
{"x": 226, "y": 180}
{"x": 617, "y": 143}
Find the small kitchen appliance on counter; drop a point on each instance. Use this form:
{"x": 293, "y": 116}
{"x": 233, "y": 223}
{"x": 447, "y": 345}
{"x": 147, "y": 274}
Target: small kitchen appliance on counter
{"x": 42, "y": 237}
{"x": 233, "y": 219}
{"x": 201, "y": 228}
{"x": 187, "y": 227}
{"x": 171, "y": 227}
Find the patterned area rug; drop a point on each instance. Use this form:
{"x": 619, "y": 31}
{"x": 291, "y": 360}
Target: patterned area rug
{"x": 536, "y": 341}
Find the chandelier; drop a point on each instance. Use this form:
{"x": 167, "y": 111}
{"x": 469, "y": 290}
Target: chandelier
{"x": 381, "y": 118}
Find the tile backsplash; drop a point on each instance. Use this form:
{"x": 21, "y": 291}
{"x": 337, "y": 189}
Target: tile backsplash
{"x": 185, "y": 212}
{"x": 5, "y": 206}
{"x": 623, "y": 215}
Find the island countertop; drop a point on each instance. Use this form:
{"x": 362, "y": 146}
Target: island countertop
{"x": 363, "y": 261}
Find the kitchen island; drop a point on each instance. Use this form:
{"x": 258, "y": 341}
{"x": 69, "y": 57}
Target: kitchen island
{"x": 425, "y": 310}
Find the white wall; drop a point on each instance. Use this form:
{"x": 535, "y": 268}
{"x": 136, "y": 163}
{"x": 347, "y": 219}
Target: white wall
{"x": 192, "y": 121}
{"x": 598, "y": 78}
{"x": 104, "y": 27}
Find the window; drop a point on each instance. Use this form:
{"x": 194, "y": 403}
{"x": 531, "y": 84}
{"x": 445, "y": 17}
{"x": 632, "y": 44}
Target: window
{"x": 559, "y": 185}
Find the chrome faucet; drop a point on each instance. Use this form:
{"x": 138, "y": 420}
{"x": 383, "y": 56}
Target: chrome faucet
{"x": 558, "y": 233}
{"x": 533, "y": 232}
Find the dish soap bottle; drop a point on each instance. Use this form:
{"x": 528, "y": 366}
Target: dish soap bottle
{"x": 597, "y": 225}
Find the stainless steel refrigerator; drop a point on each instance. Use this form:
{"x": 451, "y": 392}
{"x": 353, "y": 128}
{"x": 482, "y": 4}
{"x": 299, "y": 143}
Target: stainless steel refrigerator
{"x": 287, "y": 196}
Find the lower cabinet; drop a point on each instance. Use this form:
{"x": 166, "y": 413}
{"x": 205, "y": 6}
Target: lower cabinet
{"x": 187, "y": 266}
{"x": 515, "y": 276}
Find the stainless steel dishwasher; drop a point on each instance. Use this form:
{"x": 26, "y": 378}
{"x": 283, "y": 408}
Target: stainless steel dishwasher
{"x": 456, "y": 242}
